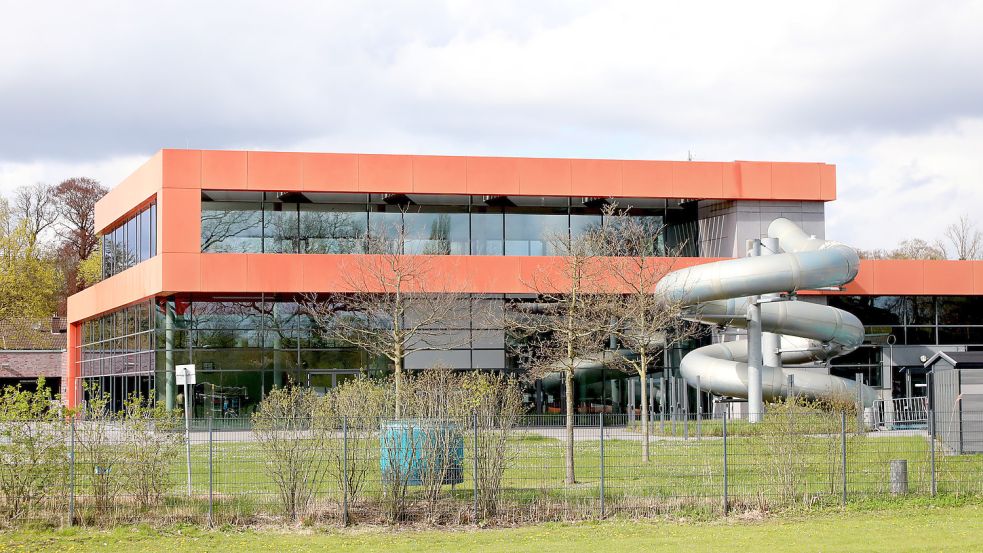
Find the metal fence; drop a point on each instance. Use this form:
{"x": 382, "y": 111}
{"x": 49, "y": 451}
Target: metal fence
{"x": 362, "y": 469}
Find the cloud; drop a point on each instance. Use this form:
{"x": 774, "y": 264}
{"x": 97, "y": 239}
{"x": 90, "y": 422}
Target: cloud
{"x": 882, "y": 89}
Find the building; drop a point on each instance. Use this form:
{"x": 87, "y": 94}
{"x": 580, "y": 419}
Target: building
{"x": 206, "y": 251}
{"x": 956, "y": 394}
{"x": 30, "y": 349}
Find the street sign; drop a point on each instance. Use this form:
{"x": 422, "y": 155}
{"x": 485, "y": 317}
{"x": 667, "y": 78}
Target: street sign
{"x": 185, "y": 374}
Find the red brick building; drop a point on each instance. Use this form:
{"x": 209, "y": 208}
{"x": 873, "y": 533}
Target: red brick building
{"x": 31, "y": 348}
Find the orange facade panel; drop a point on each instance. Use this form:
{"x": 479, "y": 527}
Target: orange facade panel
{"x": 383, "y": 173}
{"x": 797, "y": 181}
{"x": 493, "y": 176}
{"x": 544, "y": 177}
{"x": 646, "y": 179}
{"x": 130, "y": 194}
{"x": 274, "y": 171}
{"x": 587, "y": 176}
{"x": 224, "y": 170}
{"x": 697, "y": 179}
{"x": 337, "y": 172}
{"x": 440, "y": 174}
{"x": 226, "y": 273}
{"x": 181, "y": 169}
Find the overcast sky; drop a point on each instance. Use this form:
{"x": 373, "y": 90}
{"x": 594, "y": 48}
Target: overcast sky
{"x": 891, "y": 92}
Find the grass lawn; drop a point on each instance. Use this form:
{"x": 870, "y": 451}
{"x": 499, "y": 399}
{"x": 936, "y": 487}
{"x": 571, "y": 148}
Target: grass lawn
{"x": 915, "y": 525}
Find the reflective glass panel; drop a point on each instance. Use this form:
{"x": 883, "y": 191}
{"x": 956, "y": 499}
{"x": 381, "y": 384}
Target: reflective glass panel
{"x": 487, "y": 232}
{"x": 531, "y": 233}
{"x": 280, "y": 228}
{"x": 231, "y": 227}
{"x": 332, "y": 228}
{"x": 436, "y": 233}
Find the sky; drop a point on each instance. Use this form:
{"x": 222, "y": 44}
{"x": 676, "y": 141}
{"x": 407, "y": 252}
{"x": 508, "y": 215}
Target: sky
{"x": 890, "y": 92}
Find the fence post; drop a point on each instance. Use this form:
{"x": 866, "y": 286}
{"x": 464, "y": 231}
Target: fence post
{"x": 931, "y": 437}
{"x": 686, "y": 409}
{"x": 726, "y": 501}
{"x": 843, "y": 452}
{"x": 71, "y": 473}
{"x": 211, "y": 477}
{"x": 600, "y": 420}
{"x": 662, "y": 404}
{"x": 699, "y": 409}
{"x": 344, "y": 470}
{"x": 474, "y": 468}
{"x": 860, "y": 403}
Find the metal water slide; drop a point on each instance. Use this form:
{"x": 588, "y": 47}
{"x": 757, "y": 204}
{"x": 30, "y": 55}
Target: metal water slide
{"x": 726, "y": 292}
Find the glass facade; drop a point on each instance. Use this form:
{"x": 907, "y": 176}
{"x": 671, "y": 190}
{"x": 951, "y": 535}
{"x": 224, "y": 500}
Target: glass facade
{"x": 918, "y": 320}
{"x": 133, "y": 241}
{"x": 117, "y": 352}
{"x": 258, "y": 222}
{"x": 245, "y": 345}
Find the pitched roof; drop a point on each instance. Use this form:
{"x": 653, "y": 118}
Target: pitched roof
{"x": 32, "y": 334}
{"x": 959, "y": 359}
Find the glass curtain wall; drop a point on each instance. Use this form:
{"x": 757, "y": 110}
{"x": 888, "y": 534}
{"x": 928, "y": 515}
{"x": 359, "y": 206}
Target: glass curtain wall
{"x": 133, "y": 241}
{"x": 453, "y": 225}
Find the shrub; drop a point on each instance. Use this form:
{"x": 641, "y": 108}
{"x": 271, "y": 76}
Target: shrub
{"x": 151, "y": 443}
{"x": 293, "y": 451}
{"x": 33, "y": 432}
{"x": 354, "y": 407}
{"x": 98, "y": 451}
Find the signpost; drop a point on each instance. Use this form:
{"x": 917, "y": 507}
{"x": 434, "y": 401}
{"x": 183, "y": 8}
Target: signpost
{"x": 186, "y": 376}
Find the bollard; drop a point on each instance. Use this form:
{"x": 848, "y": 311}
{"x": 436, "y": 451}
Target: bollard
{"x": 899, "y": 477}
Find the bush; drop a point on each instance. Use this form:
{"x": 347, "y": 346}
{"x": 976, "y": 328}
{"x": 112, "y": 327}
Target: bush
{"x": 152, "y": 441}
{"x": 99, "y": 452}
{"x": 354, "y": 407}
{"x": 294, "y": 451}
{"x": 33, "y": 433}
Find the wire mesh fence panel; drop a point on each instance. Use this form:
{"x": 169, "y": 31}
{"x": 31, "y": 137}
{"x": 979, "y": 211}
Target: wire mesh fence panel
{"x": 34, "y": 472}
{"x": 462, "y": 470}
{"x": 681, "y": 473}
{"x": 958, "y": 451}
{"x": 789, "y": 457}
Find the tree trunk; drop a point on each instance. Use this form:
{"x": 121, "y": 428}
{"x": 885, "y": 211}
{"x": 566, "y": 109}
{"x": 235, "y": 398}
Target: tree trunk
{"x": 568, "y": 381}
{"x": 645, "y": 417}
{"x": 398, "y": 378}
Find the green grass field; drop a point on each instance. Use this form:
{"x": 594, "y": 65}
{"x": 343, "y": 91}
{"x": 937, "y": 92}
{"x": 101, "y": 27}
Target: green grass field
{"x": 910, "y": 526}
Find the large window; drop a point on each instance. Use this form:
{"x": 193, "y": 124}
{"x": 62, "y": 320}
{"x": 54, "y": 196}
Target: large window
{"x": 258, "y": 222}
{"x": 534, "y": 233}
{"x": 232, "y": 227}
{"x": 437, "y": 233}
{"x": 133, "y": 241}
{"x": 917, "y": 320}
{"x": 326, "y": 228}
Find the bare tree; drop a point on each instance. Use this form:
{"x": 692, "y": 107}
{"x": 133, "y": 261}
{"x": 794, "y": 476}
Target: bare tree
{"x": 916, "y": 248}
{"x": 965, "y": 240}
{"x": 397, "y": 305}
{"x": 75, "y": 203}
{"x": 645, "y": 323}
{"x": 35, "y": 206}
{"x": 561, "y": 330}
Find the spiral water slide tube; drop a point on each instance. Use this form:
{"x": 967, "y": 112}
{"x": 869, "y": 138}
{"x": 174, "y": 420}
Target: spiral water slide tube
{"x": 720, "y": 293}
